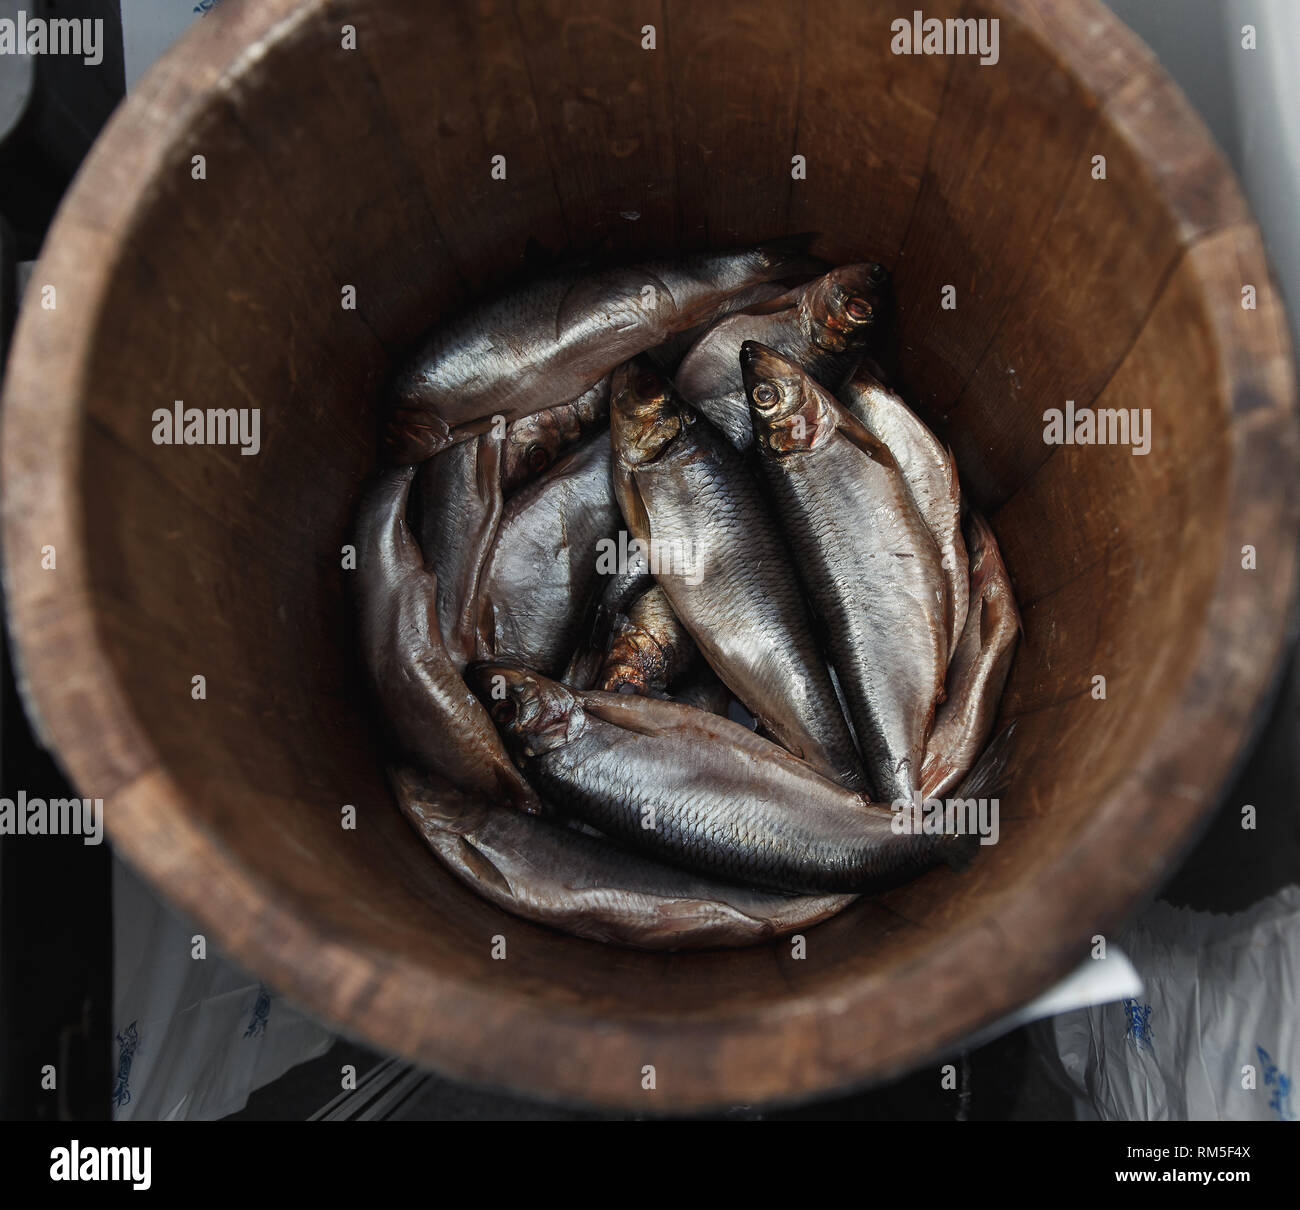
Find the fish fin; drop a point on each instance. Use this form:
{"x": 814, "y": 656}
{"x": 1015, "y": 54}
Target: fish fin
{"x": 789, "y": 256}
{"x": 414, "y": 432}
{"x": 630, "y": 504}
{"x": 483, "y": 869}
{"x": 981, "y": 534}
{"x": 988, "y": 776}
{"x": 859, "y": 435}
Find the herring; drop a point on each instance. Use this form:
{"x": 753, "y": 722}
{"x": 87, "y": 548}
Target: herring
{"x": 651, "y": 649}
{"x": 547, "y": 342}
{"x": 456, "y": 507}
{"x": 541, "y": 575}
{"x": 535, "y": 442}
{"x": 681, "y": 485}
{"x": 589, "y": 886}
{"x": 872, "y": 571}
{"x": 931, "y": 475}
{"x": 697, "y": 791}
{"x": 979, "y": 668}
{"x": 432, "y": 716}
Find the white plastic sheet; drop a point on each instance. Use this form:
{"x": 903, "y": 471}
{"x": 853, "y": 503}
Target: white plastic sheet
{"x": 1215, "y": 1035}
{"x": 193, "y": 1037}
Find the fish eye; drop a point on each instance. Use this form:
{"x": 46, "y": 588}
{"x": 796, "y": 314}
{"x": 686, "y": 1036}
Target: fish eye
{"x": 506, "y": 710}
{"x": 877, "y": 273}
{"x": 646, "y": 383}
{"x": 765, "y": 392}
{"x": 859, "y": 308}
{"x": 537, "y": 457}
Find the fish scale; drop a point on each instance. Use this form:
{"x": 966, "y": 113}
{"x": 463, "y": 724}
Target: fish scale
{"x": 931, "y": 476}
{"x": 726, "y": 802}
{"x": 872, "y": 569}
{"x": 745, "y": 612}
{"x": 881, "y": 607}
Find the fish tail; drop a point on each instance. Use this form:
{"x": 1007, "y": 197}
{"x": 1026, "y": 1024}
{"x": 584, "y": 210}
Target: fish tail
{"x": 989, "y": 775}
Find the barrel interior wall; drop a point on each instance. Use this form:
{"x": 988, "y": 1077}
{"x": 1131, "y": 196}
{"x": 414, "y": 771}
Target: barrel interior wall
{"x": 230, "y": 567}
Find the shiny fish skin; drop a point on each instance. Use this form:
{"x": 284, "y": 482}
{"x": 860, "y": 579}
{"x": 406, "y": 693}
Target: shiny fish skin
{"x": 870, "y": 566}
{"x": 822, "y": 326}
{"x": 682, "y": 486}
{"x": 696, "y": 790}
{"x": 431, "y": 714}
{"x": 931, "y": 476}
{"x": 541, "y": 574}
{"x": 979, "y": 669}
{"x": 545, "y": 343}
{"x": 669, "y": 355}
{"x": 650, "y": 649}
{"x": 535, "y": 442}
{"x": 456, "y": 507}
{"x": 590, "y": 887}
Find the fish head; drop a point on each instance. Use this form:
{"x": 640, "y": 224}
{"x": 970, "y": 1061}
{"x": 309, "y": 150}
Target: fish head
{"x": 645, "y": 413}
{"x": 844, "y": 306}
{"x": 533, "y": 713}
{"x": 789, "y": 411}
{"x": 533, "y": 443}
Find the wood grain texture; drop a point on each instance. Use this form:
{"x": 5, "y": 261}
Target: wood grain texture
{"x": 372, "y": 167}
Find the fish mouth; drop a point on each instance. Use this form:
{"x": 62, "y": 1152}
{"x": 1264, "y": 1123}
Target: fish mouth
{"x": 534, "y": 713}
{"x": 644, "y": 415}
{"x": 845, "y": 304}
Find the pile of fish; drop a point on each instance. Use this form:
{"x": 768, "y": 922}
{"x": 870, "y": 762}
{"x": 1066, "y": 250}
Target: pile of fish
{"x": 629, "y": 512}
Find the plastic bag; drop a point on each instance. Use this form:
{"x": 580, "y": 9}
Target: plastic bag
{"x": 193, "y": 1036}
{"x": 1214, "y": 1037}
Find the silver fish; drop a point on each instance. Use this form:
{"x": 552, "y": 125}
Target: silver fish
{"x": 872, "y": 570}
{"x": 668, "y": 356}
{"x": 588, "y": 886}
{"x": 432, "y": 716}
{"x": 546, "y": 343}
{"x": 456, "y": 508}
{"x": 822, "y": 326}
{"x": 979, "y": 668}
{"x": 696, "y": 790}
{"x": 931, "y": 476}
{"x": 535, "y": 442}
{"x": 688, "y": 494}
{"x": 541, "y": 574}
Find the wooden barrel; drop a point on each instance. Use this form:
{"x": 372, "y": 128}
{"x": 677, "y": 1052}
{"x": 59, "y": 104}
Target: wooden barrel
{"x": 1098, "y": 251}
